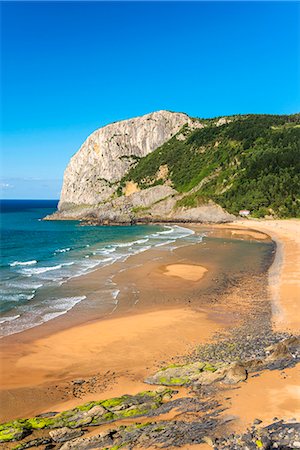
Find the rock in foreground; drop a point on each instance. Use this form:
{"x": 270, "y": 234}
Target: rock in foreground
{"x": 89, "y": 414}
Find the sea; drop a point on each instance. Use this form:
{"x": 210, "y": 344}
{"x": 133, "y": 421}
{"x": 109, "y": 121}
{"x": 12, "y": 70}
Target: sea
{"x": 38, "y": 257}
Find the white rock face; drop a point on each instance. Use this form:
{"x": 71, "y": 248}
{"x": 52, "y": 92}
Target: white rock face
{"x": 107, "y": 154}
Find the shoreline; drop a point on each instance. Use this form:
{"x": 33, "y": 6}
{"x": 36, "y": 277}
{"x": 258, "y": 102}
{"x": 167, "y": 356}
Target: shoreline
{"x": 212, "y": 320}
{"x": 284, "y": 273}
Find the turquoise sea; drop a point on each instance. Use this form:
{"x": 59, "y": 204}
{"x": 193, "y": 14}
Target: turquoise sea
{"x": 38, "y": 255}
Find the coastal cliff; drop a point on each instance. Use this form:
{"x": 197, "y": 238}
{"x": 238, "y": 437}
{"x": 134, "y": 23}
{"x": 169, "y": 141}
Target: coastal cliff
{"x": 93, "y": 173}
{"x": 167, "y": 166}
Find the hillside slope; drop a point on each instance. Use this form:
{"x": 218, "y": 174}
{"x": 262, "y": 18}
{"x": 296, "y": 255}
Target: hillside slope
{"x": 186, "y": 169}
{"x": 250, "y": 162}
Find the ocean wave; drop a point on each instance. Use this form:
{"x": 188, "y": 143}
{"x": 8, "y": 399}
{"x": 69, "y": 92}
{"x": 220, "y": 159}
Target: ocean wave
{"x": 64, "y": 305}
{"x": 39, "y": 270}
{"x": 63, "y": 250}
{"x": 184, "y": 230}
{"x": 9, "y": 318}
{"x": 23, "y": 263}
{"x": 104, "y": 251}
{"x": 129, "y": 244}
{"x": 160, "y": 234}
{"x": 16, "y": 297}
{"x": 23, "y": 285}
{"x": 168, "y": 231}
{"x": 31, "y": 316}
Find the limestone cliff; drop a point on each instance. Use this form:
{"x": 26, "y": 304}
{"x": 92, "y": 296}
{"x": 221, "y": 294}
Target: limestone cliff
{"x": 97, "y": 183}
{"x": 92, "y": 174}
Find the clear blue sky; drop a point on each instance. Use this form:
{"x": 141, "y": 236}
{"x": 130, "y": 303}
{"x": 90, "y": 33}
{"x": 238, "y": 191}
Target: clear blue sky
{"x": 69, "y": 68}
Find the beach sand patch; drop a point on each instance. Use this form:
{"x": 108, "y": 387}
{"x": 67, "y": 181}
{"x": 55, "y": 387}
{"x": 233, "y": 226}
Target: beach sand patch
{"x": 189, "y": 272}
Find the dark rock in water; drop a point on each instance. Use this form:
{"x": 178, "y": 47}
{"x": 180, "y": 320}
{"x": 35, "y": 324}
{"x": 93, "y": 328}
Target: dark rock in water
{"x": 65, "y": 434}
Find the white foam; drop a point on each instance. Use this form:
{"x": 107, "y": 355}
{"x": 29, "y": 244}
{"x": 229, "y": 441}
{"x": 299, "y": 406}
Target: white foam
{"x": 51, "y": 316}
{"x": 165, "y": 243}
{"x": 64, "y": 304}
{"x": 24, "y": 285}
{"x": 185, "y": 231}
{"x": 115, "y": 293}
{"x": 170, "y": 230}
{"x": 9, "y": 318}
{"x": 15, "y": 297}
{"x": 63, "y": 250}
{"x": 34, "y": 316}
{"x": 39, "y": 270}
{"x": 104, "y": 251}
{"x": 130, "y": 244}
{"x": 23, "y": 263}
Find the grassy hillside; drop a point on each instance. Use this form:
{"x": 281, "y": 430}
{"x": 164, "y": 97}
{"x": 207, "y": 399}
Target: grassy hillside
{"x": 250, "y": 162}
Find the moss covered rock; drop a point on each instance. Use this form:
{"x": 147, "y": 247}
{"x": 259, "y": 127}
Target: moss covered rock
{"x": 198, "y": 373}
{"x": 91, "y": 413}
{"x": 181, "y": 374}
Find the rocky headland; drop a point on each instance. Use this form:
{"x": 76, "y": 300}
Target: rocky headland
{"x": 166, "y": 166}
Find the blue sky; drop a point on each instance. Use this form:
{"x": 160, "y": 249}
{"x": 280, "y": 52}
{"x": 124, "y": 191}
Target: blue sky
{"x": 69, "y": 68}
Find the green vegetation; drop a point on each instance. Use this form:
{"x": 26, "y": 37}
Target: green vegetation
{"x": 111, "y": 409}
{"x": 172, "y": 381}
{"x": 252, "y": 162}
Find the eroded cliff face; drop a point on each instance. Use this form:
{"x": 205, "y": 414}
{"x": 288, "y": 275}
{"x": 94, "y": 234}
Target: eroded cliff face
{"x": 155, "y": 204}
{"x": 92, "y": 174}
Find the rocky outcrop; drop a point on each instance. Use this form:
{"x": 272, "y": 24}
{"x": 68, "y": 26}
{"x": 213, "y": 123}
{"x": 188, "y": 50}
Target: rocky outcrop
{"x": 104, "y": 158}
{"x": 155, "y": 204}
{"x": 283, "y": 354}
{"x": 90, "y": 414}
{"x": 65, "y": 434}
{"x": 193, "y": 419}
{"x": 199, "y": 373}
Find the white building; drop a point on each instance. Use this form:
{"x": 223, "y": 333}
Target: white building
{"x": 244, "y": 212}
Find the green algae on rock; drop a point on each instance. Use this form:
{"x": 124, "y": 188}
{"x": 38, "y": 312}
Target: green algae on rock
{"x": 198, "y": 372}
{"x": 91, "y": 413}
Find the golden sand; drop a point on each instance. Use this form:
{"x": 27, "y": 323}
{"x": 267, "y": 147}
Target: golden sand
{"x": 271, "y": 394}
{"x": 285, "y": 273}
{"x": 188, "y": 272}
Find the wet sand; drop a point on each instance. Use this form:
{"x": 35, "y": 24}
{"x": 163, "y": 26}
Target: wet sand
{"x": 274, "y": 393}
{"x": 186, "y": 271}
{"x": 269, "y": 395}
{"x": 285, "y": 272}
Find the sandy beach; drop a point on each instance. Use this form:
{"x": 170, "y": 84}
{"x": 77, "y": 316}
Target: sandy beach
{"x": 275, "y": 394}
{"x": 284, "y": 276}
{"x": 184, "y": 301}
